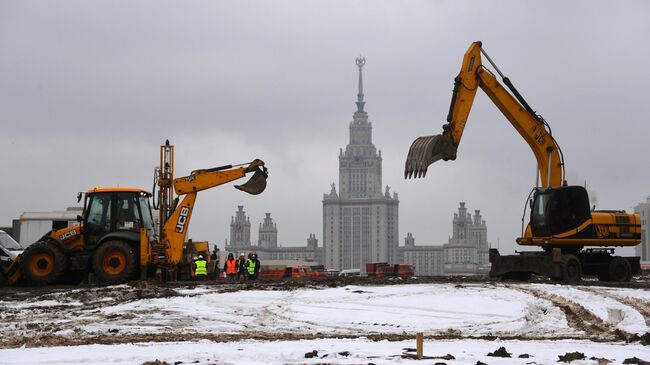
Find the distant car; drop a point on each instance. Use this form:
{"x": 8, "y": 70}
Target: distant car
{"x": 332, "y": 272}
{"x": 9, "y": 248}
{"x": 350, "y": 272}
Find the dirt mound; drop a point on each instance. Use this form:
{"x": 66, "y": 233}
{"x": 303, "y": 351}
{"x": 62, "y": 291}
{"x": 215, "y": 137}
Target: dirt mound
{"x": 570, "y": 356}
{"x": 501, "y": 352}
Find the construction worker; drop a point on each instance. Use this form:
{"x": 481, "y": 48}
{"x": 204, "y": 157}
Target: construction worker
{"x": 201, "y": 268}
{"x": 241, "y": 267}
{"x": 214, "y": 264}
{"x": 230, "y": 268}
{"x": 253, "y": 267}
{"x": 193, "y": 267}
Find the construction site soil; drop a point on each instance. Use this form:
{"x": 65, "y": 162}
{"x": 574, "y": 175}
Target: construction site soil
{"x": 94, "y": 297}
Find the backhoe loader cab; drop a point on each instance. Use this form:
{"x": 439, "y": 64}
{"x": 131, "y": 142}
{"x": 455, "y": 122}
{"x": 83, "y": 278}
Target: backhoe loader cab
{"x": 115, "y": 212}
{"x": 557, "y": 210}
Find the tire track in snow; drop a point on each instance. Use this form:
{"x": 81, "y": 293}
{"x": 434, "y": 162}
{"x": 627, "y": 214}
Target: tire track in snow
{"x": 578, "y": 317}
{"x": 639, "y": 305}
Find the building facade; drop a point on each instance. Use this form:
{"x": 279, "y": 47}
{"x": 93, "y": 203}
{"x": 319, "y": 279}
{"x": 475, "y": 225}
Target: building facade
{"x": 240, "y": 228}
{"x": 643, "y": 249}
{"x": 268, "y": 233}
{"x": 467, "y": 249}
{"x": 428, "y": 260}
{"x": 360, "y": 222}
{"x": 267, "y": 247}
{"x": 465, "y": 253}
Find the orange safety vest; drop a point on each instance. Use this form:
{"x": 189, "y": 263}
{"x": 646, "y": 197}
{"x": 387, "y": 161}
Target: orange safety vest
{"x": 231, "y": 266}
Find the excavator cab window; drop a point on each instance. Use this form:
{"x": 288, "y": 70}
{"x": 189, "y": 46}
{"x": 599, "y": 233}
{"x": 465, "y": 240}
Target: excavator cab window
{"x": 558, "y": 210}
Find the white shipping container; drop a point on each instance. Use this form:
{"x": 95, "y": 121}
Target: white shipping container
{"x": 33, "y": 225}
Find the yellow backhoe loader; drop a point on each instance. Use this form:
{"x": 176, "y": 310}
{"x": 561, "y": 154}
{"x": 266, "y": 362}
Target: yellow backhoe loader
{"x": 575, "y": 240}
{"x": 116, "y": 237}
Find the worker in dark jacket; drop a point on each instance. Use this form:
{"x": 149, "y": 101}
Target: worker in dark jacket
{"x": 241, "y": 267}
{"x": 201, "y": 268}
{"x": 253, "y": 267}
{"x": 213, "y": 271}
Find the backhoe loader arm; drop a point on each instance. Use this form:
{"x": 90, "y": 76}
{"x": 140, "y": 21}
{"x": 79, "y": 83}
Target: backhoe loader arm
{"x": 208, "y": 178}
{"x": 532, "y": 127}
{"x": 174, "y": 230}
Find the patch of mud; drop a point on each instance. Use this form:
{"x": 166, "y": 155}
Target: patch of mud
{"x": 113, "y": 338}
{"x": 91, "y": 296}
{"x": 571, "y": 356}
{"x": 500, "y": 352}
{"x": 86, "y": 293}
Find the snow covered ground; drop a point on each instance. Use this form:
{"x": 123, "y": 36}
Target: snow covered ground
{"x": 542, "y": 320}
{"x": 329, "y": 351}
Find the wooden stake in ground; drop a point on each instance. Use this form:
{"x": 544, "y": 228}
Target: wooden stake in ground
{"x": 419, "y": 344}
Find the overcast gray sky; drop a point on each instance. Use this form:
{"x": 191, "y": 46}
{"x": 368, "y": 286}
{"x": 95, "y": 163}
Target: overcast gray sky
{"x": 90, "y": 89}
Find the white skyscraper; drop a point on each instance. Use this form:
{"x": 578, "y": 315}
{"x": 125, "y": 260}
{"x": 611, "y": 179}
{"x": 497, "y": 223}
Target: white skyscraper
{"x": 360, "y": 223}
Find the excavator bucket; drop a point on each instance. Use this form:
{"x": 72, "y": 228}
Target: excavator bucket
{"x": 426, "y": 150}
{"x": 257, "y": 183}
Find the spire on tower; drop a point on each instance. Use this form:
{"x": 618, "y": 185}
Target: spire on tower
{"x": 360, "y": 61}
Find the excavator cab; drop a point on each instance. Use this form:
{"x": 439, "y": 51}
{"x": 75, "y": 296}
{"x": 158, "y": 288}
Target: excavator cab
{"x": 558, "y": 210}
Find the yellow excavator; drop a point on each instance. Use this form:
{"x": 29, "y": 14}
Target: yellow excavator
{"x": 575, "y": 240}
{"x": 116, "y": 238}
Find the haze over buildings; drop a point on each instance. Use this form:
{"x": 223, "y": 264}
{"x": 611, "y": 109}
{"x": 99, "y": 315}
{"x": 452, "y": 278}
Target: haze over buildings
{"x": 89, "y": 91}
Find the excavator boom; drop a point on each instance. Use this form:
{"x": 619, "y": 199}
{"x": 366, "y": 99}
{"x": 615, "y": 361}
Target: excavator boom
{"x": 428, "y": 149}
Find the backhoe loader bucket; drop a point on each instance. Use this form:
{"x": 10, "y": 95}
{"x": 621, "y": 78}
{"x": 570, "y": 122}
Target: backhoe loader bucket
{"x": 257, "y": 183}
{"x": 426, "y": 150}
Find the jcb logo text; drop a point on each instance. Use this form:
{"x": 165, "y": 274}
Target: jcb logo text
{"x": 67, "y": 235}
{"x": 182, "y": 219}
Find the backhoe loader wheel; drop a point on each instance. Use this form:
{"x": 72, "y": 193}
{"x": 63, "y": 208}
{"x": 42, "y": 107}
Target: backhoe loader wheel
{"x": 43, "y": 264}
{"x": 619, "y": 270}
{"x": 114, "y": 262}
{"x": 571, "y": 269}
